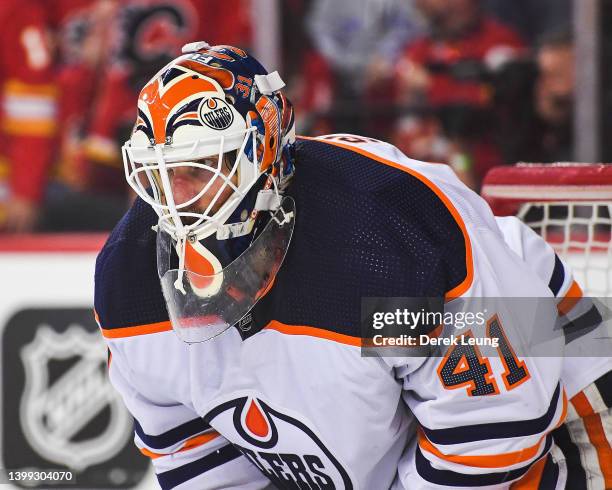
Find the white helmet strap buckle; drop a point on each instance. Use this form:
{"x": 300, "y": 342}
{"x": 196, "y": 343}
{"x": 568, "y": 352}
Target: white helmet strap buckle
{"x": 270, "y": 83}
{"x": 267, "y": 200}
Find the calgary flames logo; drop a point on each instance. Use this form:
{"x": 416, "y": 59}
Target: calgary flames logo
{"x": 281, "y": 446}
{"x": 216, "y": 114}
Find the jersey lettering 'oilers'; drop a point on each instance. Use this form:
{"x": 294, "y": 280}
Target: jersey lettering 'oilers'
{"x": 287, "y": 398}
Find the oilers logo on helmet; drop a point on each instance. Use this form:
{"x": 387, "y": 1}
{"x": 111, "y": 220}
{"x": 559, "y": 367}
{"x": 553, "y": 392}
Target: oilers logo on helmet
{"x": 281, "y": 446}
{"x": 178, "y": 99}
{"x": 215, "y": 113}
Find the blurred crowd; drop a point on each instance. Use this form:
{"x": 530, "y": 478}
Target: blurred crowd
{"x": 469, "y": 83}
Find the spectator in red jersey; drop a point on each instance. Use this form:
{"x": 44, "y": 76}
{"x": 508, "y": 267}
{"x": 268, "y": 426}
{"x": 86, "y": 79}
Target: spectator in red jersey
{"x": 80, "y": 28}
{"x": 28, "y": 99}
{"x": 449, "y": 75}
{"x": 146, "y": 35}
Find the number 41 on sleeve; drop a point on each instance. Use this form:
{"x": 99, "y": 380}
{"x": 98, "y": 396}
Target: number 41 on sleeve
{"x": 465, "y": 367}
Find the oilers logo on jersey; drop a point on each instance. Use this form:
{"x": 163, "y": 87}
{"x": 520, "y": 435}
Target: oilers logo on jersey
{"x": 283, "y": 447}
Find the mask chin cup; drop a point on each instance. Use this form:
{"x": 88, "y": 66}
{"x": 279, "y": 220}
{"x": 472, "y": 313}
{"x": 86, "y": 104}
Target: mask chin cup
{"x": 210, "y": 304}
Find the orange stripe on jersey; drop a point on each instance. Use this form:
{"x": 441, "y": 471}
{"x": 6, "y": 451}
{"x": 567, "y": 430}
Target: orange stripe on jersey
{"x": 17, "y": 87}
{"x": 597, "y": 435}
{"x": 313, "y": 332}
{"x": 123, "y": 332}
{"x": 435, "y": 333}
{"x": 151, "y": 454}
{"x": 570, "y": 299}
{"x": 532, "y": 479}
{"x": 467, "y": 282}
{"x": 192, "y": 443}
{"x": 29, "y": 127}
{"x": 483, "y": 461}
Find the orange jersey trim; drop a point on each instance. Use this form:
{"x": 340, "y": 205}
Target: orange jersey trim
{"x": 597, "y": 435}
{"x": 124, "y": 332}
{"x": 469, "y": 278}
{"x": 17, "y": 87}
{"x": 29, "y": 127}
{"x": 531, "y": 481}
{"x": 321, "y": 333}
{"x": 313, "y": 332}
{"x": 192, "y": 443}
{"x": 571, "y": 298}
{"x": 118, "y": 333}
{"x": 494, "y": 460}
{"x": 434, "y": 334}
{"x": 483, "y": 461}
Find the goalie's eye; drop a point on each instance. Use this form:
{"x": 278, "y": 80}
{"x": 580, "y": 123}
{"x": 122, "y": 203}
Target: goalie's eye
{"x": 209, "y": 161}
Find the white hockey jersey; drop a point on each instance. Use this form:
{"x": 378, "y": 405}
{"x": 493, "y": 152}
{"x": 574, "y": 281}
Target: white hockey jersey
{"x": 288, "y": 399}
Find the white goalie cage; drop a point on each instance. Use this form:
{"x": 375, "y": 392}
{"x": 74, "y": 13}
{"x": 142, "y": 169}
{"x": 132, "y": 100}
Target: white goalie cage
{"x": 570, "y": 206}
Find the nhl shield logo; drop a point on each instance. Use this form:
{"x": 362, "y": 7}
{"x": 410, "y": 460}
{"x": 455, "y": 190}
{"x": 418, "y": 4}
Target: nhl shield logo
{"x": 215, "y": 113}
{"x": 58, "y": 403}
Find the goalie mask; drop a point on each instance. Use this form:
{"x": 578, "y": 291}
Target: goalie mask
{"x": 211, "y": 152}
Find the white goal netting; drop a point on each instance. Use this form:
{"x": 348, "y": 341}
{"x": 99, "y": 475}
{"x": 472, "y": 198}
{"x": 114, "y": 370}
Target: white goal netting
{"x": 570, "y": 206}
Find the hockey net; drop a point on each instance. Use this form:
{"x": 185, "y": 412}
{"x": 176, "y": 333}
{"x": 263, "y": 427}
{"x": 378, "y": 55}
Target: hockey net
{"x": 570, "y": 206}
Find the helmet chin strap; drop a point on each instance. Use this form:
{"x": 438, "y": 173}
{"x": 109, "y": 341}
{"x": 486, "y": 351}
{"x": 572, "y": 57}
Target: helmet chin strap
{"x": 180, "y": 250}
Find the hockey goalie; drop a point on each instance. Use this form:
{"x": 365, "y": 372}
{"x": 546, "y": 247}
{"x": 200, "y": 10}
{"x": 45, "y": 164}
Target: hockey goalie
{"x": 230, "y": 298}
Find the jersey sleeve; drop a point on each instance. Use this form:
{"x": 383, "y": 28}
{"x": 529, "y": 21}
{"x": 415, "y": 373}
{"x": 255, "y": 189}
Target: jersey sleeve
{"x": 490, "y": 441}
{"x": 528, "y": 245}
{"x": 578, "y": 314}
{"x": 580, "y": 318}
{"x": 485, "y": 418}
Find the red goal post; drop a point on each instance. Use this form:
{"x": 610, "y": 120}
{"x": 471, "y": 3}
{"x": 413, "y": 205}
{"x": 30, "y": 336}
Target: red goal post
{"x": 569, "y": 205}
